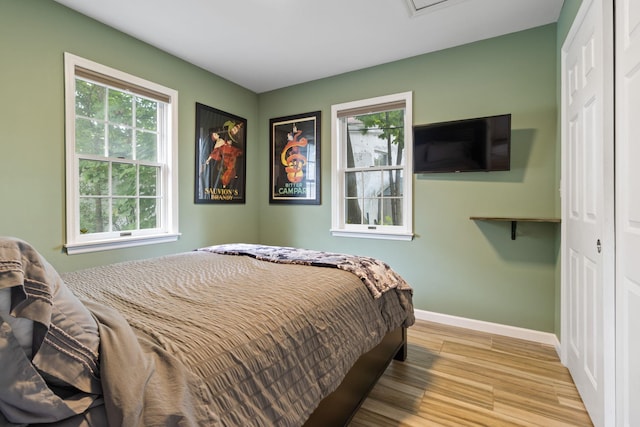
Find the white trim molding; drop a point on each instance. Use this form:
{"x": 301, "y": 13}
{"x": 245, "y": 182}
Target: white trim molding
{"x": 546, "y": 338}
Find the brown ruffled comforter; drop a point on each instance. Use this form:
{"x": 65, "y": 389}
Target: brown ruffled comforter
{"x": 229, "y": 340}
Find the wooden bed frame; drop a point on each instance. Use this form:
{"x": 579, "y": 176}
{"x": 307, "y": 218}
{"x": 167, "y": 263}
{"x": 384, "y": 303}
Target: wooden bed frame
{"x": 339, "y": 407}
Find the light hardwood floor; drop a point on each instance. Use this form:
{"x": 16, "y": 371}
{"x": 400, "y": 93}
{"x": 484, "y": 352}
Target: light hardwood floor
{"x": 458, "y": 377}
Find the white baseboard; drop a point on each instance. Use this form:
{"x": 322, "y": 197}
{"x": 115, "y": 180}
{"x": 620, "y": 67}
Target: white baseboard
{"x": 492, "y": 328}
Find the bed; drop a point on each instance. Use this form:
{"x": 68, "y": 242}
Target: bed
{"x": 228, "y": 335}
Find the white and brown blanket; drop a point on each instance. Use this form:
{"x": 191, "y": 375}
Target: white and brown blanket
{"x": 377, "y": 276}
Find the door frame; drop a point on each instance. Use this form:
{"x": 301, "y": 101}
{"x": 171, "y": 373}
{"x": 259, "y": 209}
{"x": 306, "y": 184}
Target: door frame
{"x": 627, "y": 233}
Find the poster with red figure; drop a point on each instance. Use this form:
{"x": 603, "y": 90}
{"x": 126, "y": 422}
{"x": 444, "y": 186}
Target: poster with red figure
{"x": 295, "y": 159}
{"x": 220, "y": 156}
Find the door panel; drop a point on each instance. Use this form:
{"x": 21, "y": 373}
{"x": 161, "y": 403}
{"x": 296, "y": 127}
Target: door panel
{"x": 573, "y": 302}
{"x": 593, "y": 341}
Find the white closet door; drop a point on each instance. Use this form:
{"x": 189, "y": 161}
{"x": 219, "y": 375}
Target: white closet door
{"x": 588, "y": 301}
{"x": 628, "y": 211}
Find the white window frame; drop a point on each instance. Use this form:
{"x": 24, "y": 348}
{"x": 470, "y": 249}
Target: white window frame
{"x": 338, "y": 165}
{"x": 76, "y": 242}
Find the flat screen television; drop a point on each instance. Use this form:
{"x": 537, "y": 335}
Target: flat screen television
{"x": 470, "y": 145}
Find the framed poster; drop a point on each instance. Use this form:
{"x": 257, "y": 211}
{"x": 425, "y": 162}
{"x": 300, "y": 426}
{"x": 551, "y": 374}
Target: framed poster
{"x": 295, "y": 159}
{"x": 220, "y": 156}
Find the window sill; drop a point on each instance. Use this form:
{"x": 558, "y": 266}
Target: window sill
{"x": 105, "y": 245}
{"x": 373, "y": 235}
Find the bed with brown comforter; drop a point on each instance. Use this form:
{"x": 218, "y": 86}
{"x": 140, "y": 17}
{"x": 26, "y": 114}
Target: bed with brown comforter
{"x": 233, "y": 335}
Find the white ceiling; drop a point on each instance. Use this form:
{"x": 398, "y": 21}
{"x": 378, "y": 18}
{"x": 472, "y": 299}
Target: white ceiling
{"x": 264, "y": 45}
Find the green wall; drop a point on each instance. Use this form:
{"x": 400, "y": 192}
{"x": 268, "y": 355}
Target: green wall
{"x": 567, "y": 15}
{"x": 34, "y": 35}
{"x": 457, "y": 266}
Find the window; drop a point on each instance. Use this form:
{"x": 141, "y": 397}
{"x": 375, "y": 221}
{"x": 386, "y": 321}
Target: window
{"x": 121, "y": 159}
{"x": 372, "y": 179}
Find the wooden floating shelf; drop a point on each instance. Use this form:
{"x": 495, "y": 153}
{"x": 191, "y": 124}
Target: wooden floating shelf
{"x": 514, "y": 221}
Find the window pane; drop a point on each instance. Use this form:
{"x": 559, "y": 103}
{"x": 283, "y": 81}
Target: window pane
{"x": 352, "y": 180}
{"x": 393, "y": 182}
{"x": 392, "y": 211}
{"x": 377, "y": 139}
{"x": 90, "y": 99}
{"x": 94, "y": 215}
{"x": 372, "y": 183}
{"x": 124, "y": 214}
{"x": 120, "y": 108}
{"x": 353, "y": 214}
{"x": 146, "y": 146}
{"x": 367, "y": 148}
{"x": 120, "y": 142}
{"x": 123, "y": 176}
{"x": 93, "y": 178}
{"x": 146, "y": 114}
{"x": 372, "y": 211}
{"x": 149, "y": 217}
{"x": 149, "y": 180}
{"x": 89, "y": 137}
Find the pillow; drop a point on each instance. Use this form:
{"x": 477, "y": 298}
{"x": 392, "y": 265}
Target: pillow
{"x": 22, "y": 328}
{"x": 25, "y": 398}
{"x": 64, "y": 338}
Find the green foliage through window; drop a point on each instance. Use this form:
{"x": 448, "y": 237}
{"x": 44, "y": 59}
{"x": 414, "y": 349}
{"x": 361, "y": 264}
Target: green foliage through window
{"x": 117, "y": 146}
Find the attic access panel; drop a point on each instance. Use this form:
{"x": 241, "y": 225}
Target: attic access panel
{"x": 419, "y": 7}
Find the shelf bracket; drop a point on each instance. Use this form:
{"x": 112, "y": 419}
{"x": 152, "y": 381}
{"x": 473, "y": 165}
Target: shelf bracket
{"x": 514, "y": 226}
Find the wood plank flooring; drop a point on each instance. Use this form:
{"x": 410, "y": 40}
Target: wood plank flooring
{"x": 458, "y": 377}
